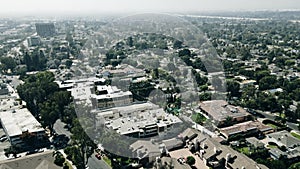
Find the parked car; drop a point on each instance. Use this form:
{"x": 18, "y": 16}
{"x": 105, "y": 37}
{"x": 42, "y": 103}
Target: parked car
{"x": 32, "y": 152}
{"x": 3, "y": 138}
{"x": 98, "y": 156}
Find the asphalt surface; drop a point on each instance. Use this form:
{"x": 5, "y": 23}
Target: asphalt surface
{"x": 270, "y": 116}
{"x": 94, "y": 163}
{"x": 59, "y": 128}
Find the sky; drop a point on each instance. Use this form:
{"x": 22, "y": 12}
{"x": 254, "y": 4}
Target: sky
{"x": 116, "y": 6}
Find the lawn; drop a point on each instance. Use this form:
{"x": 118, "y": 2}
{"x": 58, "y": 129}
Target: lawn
{"x": 198, "y": 118}
{"x": 107, "y": 160}
{"x": 244, "y": 150}
{"x": 272, "y": 146}
{"x": 295, "y": 135}
{"x": 272, "y": 125}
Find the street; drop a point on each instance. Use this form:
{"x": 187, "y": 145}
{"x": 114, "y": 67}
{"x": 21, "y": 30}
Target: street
{"x": 270, "y": 116}
{"x": 94, "y": 163}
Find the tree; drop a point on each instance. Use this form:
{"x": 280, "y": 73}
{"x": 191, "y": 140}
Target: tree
{"x": 49, "y": 112}
{"x": 69, "y": 114}
{"x": 205, "y": 96}
{"x": 28, "y": 61}
{"x": 190, "y": 160}
{"x": 233, "y": 88}
{"x": 61, "y": 99}
{"x": 274, "y": 164}
{"x": 35, "y": 61}
{"x": 260, "y": 74}
{"x": 13, "y": 149}
{"x": 200, "y": 80}
{"x": 268, "y": 82}
{"x": 177, "y": 44}
{"x": 248, "y": 97}
{"x": 228, "y": 121}
{"x": 37, "y": 89}
{"x": 42, "y": 60}
{"x": 199, "y": 118}
{"x": 295, "y": 166}
{"x": 69, "y": 63}
{"x": 66, "y": 166}
{"x": 184, "y": 52}
{"x": 85, "y": 146}
{"x": 7, "y": 63}
{"x": 29, "y": 138}
{"x": 59, "y": 158}
{"x": 129, "y": 41}
{"x": 198, "y": 64}
{"x": 141, "y": 90}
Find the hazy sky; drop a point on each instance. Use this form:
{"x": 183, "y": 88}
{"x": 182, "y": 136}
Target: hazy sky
{"x": 92, "y": 6}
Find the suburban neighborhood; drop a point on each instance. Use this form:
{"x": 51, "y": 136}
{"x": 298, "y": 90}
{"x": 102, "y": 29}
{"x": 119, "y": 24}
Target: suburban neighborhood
{"x": 194, "y": 91}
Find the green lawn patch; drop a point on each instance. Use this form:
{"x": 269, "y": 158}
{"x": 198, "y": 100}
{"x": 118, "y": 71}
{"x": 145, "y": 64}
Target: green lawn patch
{"x": 272, "y": 125}
{"x": 107, "y": 160}
{"x": 295, "y": 135}
{"x": 272, "y": 146}
{"x": 244, "y": 150}
{"x": 198, "y": 118}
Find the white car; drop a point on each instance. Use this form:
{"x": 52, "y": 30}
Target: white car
{"x": 3, "y": 138}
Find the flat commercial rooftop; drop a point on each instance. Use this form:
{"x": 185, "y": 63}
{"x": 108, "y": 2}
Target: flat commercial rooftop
{"x": 157, "y": 117}
{"x": 17, "y": 121}
{"x": 220, "y": 109}
{"x": 127, "y": 109}
{"x": 111, "y": 92}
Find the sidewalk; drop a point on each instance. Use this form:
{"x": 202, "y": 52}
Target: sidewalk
{"x": 65, "y": 155}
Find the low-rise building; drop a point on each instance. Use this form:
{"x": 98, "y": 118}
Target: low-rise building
{"x": 122, "y": 70}
{"x": 18, "y": 122}
{"x": 110, "y": 96}
{"x": 246, "y": 83}
{"x": 253, "y": 141}
{"x": 145, "y": 151}
{"x": 43, "y": 160}
{"x": 288, "y": 145}
{"x": 164, "y": 162}
{"x": 214, "y": 154}
{"x": 245, "y": 128}
{"x": 142, "y": 123}
{"x": 220, "y": 111}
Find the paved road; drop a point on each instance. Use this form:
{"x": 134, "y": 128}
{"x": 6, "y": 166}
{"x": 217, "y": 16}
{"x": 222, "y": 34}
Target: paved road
{"x": 270, "y": 116}
{"x": 292, "y": 126}
{"x": 94, "y": 163}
